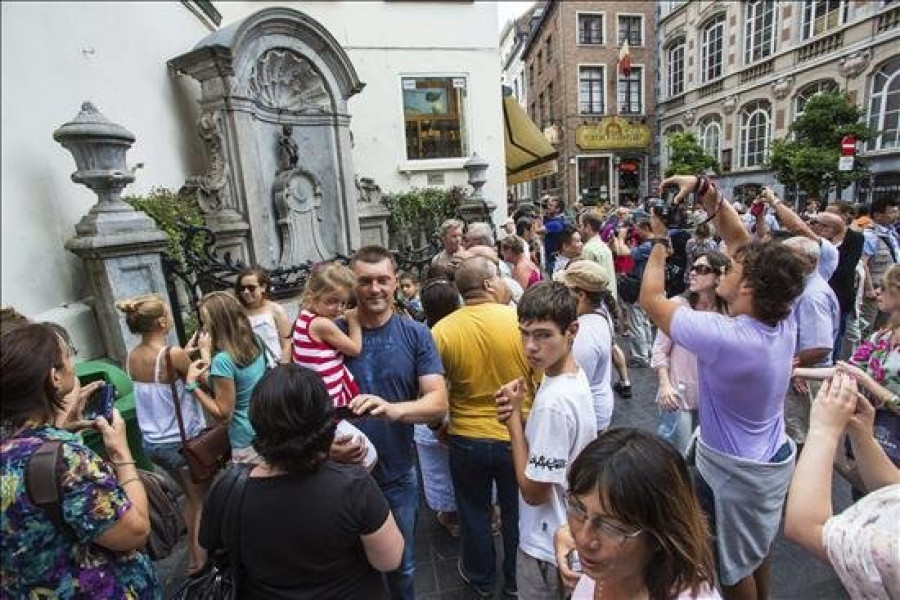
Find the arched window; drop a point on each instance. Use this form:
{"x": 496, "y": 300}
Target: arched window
{"x": 756, "y": 129}
{"x": 819, "y": 87}
{"x": 759, "y": 30}
{"x": 884, "y": 105}
{"x": 712, "y": 49}
{"x": 675, "y": 68}
{"x": 710, "y": 129}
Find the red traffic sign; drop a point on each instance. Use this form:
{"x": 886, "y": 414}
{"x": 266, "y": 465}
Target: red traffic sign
{"x": 848, "y": 145}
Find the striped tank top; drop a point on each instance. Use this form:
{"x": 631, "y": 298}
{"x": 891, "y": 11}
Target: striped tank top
{"x": 324, "y": 360}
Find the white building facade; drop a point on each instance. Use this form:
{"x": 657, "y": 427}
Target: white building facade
{"x": 415, "y": 59}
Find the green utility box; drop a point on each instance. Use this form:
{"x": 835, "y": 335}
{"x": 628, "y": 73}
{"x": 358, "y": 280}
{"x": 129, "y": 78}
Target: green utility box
{"x": 100, "y": 370}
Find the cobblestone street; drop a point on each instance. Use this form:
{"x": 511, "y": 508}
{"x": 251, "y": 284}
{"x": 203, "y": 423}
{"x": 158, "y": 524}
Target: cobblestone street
{"x": 796, "y": 575}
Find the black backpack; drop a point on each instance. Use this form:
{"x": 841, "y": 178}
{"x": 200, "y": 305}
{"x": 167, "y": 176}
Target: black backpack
{"x": 42, "y": 486}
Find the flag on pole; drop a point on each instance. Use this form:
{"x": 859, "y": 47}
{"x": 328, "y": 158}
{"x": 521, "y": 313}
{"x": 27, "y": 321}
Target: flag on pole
{"x": 625, "y": 59}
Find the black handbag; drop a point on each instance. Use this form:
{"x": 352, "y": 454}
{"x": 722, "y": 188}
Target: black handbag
{"x": 220, "y": 577}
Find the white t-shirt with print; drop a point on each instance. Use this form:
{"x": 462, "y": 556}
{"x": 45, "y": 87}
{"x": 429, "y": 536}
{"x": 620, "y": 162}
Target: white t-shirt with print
{"x": 560, "y": 425}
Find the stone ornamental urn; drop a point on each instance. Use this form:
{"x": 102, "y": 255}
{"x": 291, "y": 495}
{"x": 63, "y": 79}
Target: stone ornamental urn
{"x": 475, "y": 207}
{"x": 120, "y": 247}
{"x": 99, "y": 146}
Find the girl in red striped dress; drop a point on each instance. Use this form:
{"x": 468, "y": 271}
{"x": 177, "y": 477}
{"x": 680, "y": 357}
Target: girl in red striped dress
{"x": 318, "y": 343}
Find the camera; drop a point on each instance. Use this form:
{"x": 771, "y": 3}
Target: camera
{"x": 100, "y": 403}
{"x": 660, "y": 207}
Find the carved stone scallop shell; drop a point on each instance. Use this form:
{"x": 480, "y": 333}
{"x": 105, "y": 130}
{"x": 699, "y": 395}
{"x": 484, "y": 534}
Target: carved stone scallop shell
{"x": 284, "y": 80}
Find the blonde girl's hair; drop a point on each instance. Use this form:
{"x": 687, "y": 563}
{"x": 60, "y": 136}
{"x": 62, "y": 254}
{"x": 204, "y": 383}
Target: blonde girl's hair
{"x": 142, "y": 313}
{"x": 324, "y": 278}
{"x": 229, "y": 328}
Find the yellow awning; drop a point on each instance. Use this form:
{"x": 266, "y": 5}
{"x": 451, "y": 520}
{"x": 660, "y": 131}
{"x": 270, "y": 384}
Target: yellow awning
{"x": 528, "y": 153}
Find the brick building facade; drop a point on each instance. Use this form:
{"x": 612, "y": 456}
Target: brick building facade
{"x": 599, "y": 119}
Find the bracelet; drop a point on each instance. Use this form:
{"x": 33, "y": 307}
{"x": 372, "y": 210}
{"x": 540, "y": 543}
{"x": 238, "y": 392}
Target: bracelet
{"x": 127, "y": 481}
{"x": 664, "y": 241}
{"x": 702, "y": 186}
{"x": 122, "y": 463}
{"x": 190, "y": 387}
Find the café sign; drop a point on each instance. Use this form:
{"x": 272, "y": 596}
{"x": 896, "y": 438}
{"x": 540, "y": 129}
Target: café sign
{"x": 613, "y": 133}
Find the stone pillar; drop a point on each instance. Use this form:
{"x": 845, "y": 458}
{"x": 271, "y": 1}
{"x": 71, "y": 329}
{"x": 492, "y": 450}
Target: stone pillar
{"x": 373, "y": 215}
{"x": 121, "y": 248}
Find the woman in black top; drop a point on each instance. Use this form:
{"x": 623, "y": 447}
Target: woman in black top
{"x": 309, "y": 527}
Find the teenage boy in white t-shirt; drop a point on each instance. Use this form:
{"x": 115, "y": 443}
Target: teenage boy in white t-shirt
{"x": 560, "y": 425}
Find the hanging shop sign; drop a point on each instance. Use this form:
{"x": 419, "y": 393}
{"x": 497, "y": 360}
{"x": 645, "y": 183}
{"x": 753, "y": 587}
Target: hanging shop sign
{"x": 613, "y": 133}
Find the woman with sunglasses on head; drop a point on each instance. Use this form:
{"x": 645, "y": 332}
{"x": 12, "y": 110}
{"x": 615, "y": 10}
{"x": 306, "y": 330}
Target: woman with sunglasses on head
{"x": 635, "y": 523}
{"x": 268, "y": 319}
{"x": 236, "y": 360}
{"x": 676, "y": 367}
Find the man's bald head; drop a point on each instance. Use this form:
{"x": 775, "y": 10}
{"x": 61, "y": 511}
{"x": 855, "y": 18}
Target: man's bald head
{"x": 475, "y": 277}
{"x": 828, "y": 225}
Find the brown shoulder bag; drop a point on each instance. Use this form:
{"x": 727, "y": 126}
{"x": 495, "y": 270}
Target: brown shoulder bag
{"x": 209, "y": 450}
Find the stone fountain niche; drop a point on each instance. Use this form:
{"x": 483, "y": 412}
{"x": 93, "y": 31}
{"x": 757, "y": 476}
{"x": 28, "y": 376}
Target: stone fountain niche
{"x": 279, "y": 187}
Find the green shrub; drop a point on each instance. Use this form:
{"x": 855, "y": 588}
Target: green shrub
{"x": 167, "y": 208}
{"x": 420, "y": 211}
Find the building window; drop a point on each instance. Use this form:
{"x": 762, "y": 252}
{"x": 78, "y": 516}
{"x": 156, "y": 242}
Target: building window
{"x": 540, "y": 61}
{"x": 820, "y": 16}
{"x": 590, "y": 90}
{"x": 630, "y": 91}
{"x": 670, "y": 5}
{"x": 675, "y": 68}
{"x": 710, "y": 135}
{"x": 712, "y": 40}
{"x": 590, "y": 29}
{"x": 434, "y": 110}
{"x": 756, "y": 127}
{"x": 631, "y": 28}
{"x": 550, "y": 101}
{"x": 531, "y": 74}
{"x": 759, "y": 36}
{"x": 593, "y": 179}
{"x": 548, "y": 49}
{"x": 884, "y": 106}
{"x": 819, "y": 87}
{"x": 542, "y": 109}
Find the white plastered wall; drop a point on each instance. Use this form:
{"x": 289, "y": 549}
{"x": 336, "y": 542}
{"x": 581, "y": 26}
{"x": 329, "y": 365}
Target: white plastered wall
{"x": 54, "y": 57}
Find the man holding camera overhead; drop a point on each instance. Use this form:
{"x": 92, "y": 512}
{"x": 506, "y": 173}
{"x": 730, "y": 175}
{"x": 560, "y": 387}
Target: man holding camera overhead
{"x": 744, "y": 458}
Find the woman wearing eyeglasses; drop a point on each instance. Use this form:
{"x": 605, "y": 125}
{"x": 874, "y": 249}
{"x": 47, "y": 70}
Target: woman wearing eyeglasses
{"x": 676, "y": 368}
{"x": 635, "y": 523}
{"x": 268, "y": 319}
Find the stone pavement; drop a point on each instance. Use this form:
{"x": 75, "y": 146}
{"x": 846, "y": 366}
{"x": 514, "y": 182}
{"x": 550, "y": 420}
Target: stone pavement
{"x": 796, "y": 575}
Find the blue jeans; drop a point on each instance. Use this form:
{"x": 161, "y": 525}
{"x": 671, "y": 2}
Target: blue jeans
{"x": 475, "y": 465}
{"x": 838, "y": 340}
{"x": 403, "y": 497}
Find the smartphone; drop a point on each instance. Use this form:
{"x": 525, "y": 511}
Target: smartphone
{"x": 101, "y": 403}
{"x": 757, "y": 207}
{"x": 574, "y": 561}
{"x": 345, "y": 413}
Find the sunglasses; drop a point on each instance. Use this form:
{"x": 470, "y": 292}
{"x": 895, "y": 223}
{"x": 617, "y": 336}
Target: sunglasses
{"x": 248, "y": 288}
{"x": 702, "y": 269}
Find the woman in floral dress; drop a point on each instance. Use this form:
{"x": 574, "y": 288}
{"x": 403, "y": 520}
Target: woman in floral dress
{"x": 91, "y": 547}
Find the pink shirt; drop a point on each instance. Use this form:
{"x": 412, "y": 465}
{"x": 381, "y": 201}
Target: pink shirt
{"x": 682, "y": 366}
{"x": 584, "y": 590}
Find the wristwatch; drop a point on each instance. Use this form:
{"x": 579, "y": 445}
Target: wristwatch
{"x": 190, "y": 387}
{"x": 661, "y": 240}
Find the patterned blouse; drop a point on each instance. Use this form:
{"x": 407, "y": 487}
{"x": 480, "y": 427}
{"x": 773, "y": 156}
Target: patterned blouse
{"x": 881, "y": 360}
{"x": 863, "y": 545}
{"x": 39, "y": 560}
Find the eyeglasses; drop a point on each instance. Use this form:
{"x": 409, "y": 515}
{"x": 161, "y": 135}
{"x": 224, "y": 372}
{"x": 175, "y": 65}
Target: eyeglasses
{"x": 598, "y": 527}
{"x": 248, "y": 288}
{"x": 702, "y": 269}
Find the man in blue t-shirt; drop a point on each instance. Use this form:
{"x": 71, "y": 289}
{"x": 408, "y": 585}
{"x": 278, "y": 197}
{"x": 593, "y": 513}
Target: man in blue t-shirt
{"x": 401, "y": 379}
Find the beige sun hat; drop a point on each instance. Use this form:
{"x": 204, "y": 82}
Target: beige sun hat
{"x": 586, "y": 275}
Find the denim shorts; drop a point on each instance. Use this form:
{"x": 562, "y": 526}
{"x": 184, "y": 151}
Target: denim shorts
{"x": 166, "y": 455}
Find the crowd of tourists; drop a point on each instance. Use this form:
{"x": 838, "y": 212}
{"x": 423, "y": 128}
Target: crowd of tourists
{"x": 489, "y": 386}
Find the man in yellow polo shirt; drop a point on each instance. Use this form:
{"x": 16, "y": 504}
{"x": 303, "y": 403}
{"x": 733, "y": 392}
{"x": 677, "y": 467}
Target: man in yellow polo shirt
{"x": 481, "y": 349}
